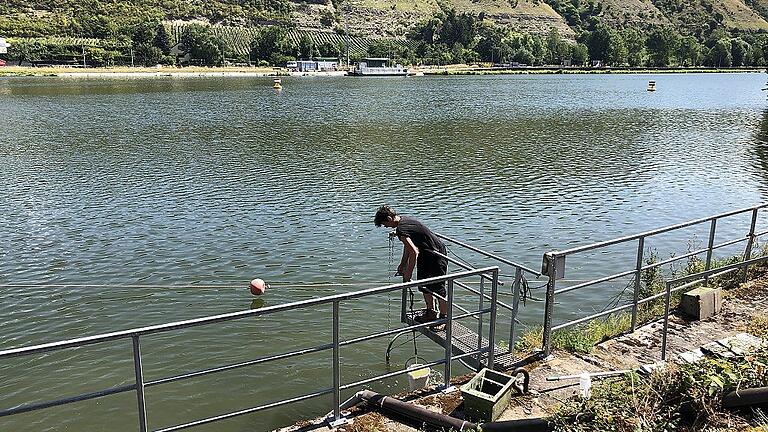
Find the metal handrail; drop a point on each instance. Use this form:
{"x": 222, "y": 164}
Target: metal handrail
{"x": 489, "y": 254}
{"x": 694, "y": 279}
{"x": 515, "y": 293}
{"x": 177, "y": 325}
{"x": 656, "y": 231}
{"x": 136, "y": 333}
{"x": 554, "y": 267}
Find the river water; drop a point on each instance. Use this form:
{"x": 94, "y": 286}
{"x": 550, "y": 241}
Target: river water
{"x": 134, "y": 202}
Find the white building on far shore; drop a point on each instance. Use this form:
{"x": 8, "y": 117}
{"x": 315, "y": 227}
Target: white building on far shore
{"x": 4, "y": 46}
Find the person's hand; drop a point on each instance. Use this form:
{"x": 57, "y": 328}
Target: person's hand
{"x": 407, "y": 277}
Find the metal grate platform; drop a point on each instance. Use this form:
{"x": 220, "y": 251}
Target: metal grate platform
{"x": 463, "y": 341}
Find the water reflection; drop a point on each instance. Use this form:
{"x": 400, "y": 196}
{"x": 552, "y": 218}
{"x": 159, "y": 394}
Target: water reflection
{"x": 759, "y": 151}
{"x": 210, "y": 181}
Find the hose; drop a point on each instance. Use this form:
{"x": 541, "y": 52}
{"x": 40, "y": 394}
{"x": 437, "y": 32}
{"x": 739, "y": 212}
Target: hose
{"x": 424, "y": 415}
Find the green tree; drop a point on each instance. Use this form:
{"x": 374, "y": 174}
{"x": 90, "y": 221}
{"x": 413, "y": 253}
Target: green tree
{"x": 554, "y": 44}
{"x": 489, "y": 40}
{"x": 599, "y": 43}
{"x": 306, "y": 47}
{"x": 635, "y": 43}
{"x": 689, "y": 51}
{"x": 721, "y": 53}
{"x": 272, "y": 40}
{"x": 26, "y": 50}
{"x": 617, "y": 50}
{"x": 739, "y": 52}
{"x": 662, "y": 44}
{"x": 580, "y": 55}
{"x": 201, "y": 44}
{"x": 538, "y": 49}
{"x": 162, "y": 41}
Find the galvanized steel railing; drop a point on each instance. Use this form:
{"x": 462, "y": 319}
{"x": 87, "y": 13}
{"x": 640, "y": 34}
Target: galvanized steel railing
{"x": 140, "y": 385}
{"x": 519, "y": 269}
{"x": 554, "y": 267}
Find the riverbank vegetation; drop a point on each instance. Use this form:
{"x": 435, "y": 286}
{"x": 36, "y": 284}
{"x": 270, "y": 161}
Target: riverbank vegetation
{"x": 261, "y": 32}
{"x": 583, "y": 338}
{"x": 685, "y": 397}
{"x": 681, "y": 397}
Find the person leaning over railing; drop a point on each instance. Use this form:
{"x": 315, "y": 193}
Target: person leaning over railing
{"x": 417, "y": 238}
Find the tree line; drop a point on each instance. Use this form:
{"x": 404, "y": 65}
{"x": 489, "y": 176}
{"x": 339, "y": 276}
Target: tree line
{"x": 447, "y": 37}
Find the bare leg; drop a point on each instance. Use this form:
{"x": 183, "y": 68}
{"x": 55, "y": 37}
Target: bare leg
{"x": 430, "y": 301}
{"x": 443, "y": 305}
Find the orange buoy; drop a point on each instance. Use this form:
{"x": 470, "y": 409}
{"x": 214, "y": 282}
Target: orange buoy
{"x": 258, "y": 287}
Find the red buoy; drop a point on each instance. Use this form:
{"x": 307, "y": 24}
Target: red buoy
{"x": 258, "y": 287}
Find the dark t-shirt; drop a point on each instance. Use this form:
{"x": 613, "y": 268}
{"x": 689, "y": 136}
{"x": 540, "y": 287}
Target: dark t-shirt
{"x": 421, "y": 236}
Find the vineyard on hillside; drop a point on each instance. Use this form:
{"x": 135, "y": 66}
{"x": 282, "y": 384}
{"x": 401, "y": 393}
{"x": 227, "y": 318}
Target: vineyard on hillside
{"x": 65, "y": 41}
{"x": 238, "y": 39}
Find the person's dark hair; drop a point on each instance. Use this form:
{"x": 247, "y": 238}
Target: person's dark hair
{"x": 382, "y": 213}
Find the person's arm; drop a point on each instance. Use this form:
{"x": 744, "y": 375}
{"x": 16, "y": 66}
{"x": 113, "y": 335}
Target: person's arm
{"x": 410, "y": 255}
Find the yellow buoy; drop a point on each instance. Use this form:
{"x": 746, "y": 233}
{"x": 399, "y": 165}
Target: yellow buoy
{"x": 277, "y": 84}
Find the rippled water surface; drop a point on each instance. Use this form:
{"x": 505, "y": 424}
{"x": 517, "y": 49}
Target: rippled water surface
{"x": 128, "y": 203}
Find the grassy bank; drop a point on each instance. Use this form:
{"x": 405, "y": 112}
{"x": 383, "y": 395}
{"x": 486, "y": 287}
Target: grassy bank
{"x": 582, "y": 338}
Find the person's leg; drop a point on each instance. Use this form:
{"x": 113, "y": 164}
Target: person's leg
{"x": 430, "y": 301}
{"x": 443, "y": 306}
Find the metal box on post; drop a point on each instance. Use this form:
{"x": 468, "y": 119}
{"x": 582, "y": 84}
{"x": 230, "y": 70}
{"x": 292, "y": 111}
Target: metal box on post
{"x": 487, "y": 395}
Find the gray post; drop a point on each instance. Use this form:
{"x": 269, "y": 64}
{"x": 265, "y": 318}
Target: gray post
{"x": 492, "y": 324}
{"x": 403, "y": 304}
{"x": 336, "y": 366}
{"x": 549, "y": 306}
{"x": 480, "y": 324}
{"x": 638, "y": 274}
{"x": 139, "y": 371}
{"x": 710, "y": 245}
{"x": 515, "y": 304}
{"x": 448, "y": 335}
{"x": 667, "y": 299}
{"x": 750, "y": 242}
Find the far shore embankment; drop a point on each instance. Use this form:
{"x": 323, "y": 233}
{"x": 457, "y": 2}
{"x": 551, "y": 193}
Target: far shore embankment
{"x": 198, "y": 71}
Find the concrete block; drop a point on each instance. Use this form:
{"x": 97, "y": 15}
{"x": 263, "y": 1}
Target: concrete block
{"x": 702, "y": 303}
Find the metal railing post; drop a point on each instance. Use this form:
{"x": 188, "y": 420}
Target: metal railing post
{"x": 492, "y": 323}
{"x": 336, "y": 365}
{"x": 139, "y": 371}
{"x": 403, "y": 304}
{"x": 667, "y": 300}
{"x": 549, "y": 306}
{"x": 480, "y": 324}
{"x": 515, "y": 304}
{"x": 710, "y": 248}
{"x": 448, "y": 335}
{"x": 750, "y": 242}
{"x": 638, "y": 274}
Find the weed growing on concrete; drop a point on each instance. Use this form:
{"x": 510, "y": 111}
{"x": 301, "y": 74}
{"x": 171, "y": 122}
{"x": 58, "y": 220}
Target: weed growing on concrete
{"x": 679, "y": 398}
{"x": 584, "y": 337}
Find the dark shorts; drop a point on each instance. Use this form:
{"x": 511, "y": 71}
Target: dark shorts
{"x": 432, "y": 266}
